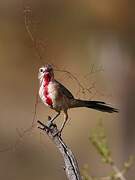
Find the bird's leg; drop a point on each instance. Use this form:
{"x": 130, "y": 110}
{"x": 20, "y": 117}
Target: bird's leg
{"x": 49, "y": 123}
{"x": 63, "y": 124}
{"x": 52, "y": 119}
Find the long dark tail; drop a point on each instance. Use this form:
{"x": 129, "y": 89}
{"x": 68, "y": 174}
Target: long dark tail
{"x": 98, "y": 105}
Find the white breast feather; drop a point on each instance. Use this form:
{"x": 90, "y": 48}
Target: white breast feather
{"x": 52, "y": 91}
{"x": 41, "y": 94}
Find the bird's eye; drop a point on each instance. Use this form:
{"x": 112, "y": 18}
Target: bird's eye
{"x": 41, "y": 70}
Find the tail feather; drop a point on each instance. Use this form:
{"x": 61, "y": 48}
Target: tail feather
{"x": 97, "y": 105}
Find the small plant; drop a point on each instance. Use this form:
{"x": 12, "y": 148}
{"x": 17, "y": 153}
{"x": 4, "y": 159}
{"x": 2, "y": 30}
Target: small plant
{"x": 99, "y": 140}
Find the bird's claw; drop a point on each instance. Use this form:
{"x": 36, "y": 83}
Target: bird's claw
{"x": 44, "y": 127}
{"x": 49, "y": 118}
{"x": 50, "y": 127}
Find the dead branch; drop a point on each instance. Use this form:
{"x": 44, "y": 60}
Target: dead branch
{"x": 71, "y": 166}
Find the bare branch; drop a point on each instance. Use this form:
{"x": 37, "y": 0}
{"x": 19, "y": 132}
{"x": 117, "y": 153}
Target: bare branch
{"x": 71, "y": 166}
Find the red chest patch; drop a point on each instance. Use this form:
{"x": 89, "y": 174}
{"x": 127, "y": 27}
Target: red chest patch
{"x": 48, "y": 100}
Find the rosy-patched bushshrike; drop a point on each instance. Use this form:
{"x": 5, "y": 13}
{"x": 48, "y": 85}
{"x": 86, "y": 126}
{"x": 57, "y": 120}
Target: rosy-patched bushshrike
{"x": 57, "y": 97}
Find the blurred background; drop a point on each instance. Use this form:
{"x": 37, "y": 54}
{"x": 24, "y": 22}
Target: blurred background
{"x": 95, "y": 41}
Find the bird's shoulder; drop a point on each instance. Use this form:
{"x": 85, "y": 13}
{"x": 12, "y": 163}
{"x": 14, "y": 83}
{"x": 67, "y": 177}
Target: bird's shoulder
{"x": 64, "y": 90}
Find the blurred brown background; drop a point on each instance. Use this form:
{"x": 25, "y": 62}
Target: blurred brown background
{"x": 79, "y": 34}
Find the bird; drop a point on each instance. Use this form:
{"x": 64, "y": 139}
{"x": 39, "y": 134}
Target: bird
{"x": 57, "y": 97}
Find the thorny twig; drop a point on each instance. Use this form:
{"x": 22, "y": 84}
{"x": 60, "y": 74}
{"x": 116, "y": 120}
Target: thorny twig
{"x": 27, "y": 22}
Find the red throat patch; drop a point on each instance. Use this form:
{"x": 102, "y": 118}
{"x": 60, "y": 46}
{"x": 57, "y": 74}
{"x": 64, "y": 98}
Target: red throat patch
{"x": 48, "y": 100}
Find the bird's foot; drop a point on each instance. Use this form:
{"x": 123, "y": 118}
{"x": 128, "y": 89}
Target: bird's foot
{"x": 48, "y": 126}
{"x": 49, "y": 122}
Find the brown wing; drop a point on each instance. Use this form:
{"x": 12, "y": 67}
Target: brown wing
{"x": 65, "y": 91}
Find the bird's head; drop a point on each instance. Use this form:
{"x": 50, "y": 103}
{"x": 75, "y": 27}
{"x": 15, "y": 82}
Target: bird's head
{"x": 46, "y": 72}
